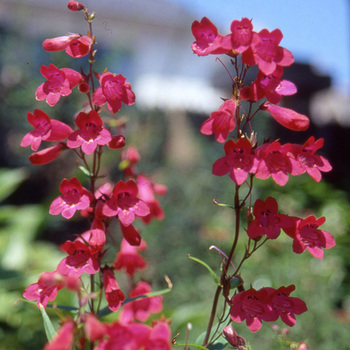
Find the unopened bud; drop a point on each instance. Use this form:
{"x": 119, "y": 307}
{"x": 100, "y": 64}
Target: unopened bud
{"x": 75, "y": 5}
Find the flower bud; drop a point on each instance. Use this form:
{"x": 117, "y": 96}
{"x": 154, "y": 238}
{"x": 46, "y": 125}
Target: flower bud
{"x": 231, "y": 336}
{"x": 117, "y": 142}
{"x": 75, "y": 5}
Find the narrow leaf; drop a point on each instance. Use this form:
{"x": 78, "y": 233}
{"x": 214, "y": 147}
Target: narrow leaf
{"x": 49, "y": 330}
{"x": 215, "y": 277}
{"x": 85, "y": 171}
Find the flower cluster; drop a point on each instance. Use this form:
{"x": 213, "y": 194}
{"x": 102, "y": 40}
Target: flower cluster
{"x": 102, "y": 202}
{"x": 245, "y": 159}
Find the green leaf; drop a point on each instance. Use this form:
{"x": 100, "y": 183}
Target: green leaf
{"x": 49, "y": 330}
{"x": 215, "y": 277}
{"x": 10, "y": 179}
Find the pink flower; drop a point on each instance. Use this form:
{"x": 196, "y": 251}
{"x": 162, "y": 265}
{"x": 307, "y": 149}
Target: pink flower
{"x": 221, "y": 122}
{"x": 113, "y": 90}
{"x": 313, "y": 163}
{"x": 124, "y": 203}
{"x": 59, "y": 43}
{"x": 45, "y": 289}
{"x": 90, "y": 134}
{"x": 114, "y": 295}
{"x": 129, "y": 259}
{"x": 95, "y": 330}
{"x": 265, "y": 52}
{"x": 45, "y": 129}
{"x": 238, "y": 160}
{"x": 74, "y": 197}
{"x": 306, "y": 235}
{"x": 142, "y": 308}
{"x": 241, "y": 37}
{"x": 267, "y": 221}
{"x": 64, "y": 339}
{"x": 252, "y": 306}
{"x": 47, "y": 155}
{"x": 147, "y": 191}
{"x": 130, "y": 157}
{"x": 208, "y": 40}
{"x": 285, "y": 305}
{"x": 288, "y": 118}
{"x": 233, "y": 338}
{"x": 60, "y": 82}
{"x": 159, "y": 337}
{"x": 276, "y": 160}
{"x": 83, "y": 254}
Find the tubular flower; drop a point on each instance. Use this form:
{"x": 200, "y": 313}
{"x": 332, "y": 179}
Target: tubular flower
{"x": 47, "y": 155}
{"x": 45, "y": 129}
{"x": 124, "y": 203}
{"x": 221, "y": 122}
{"x": 74, "y": 197}
{"x": 60, "y": 82}
{"x": 64, "y": 339}
{"x": 238, "y": 161}
{"x": 113, "y": 90}
{"x": 114, "y": 295}
{"x": 242, "y": 33}
{"x": 90, "y": 134}
{"x": 265, "y": 52}
{"x": 306, "y": 235}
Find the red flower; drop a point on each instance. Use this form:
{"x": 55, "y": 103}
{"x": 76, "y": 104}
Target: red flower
{"x": 285, "y": 305}
{"x": 45, "y": 289}
{"x": 129, "y": 259}
{"x": 44, "y": 129}
{"x": 312, "y": 162}
{"x": 238, "y": 160}
{"x": 60, "y": 82}
{"x": 74, "y": 44}
{"x": 159, "y": 337}
{"x": 91, "y": 133}
{"x": 267, "y": 221}
{"x": 252, "y": 306}
{"x": 208, "y": 40}
{"x": 130, "y": 157}
{"x": 276, "y": 160}
{"x": 64, "y": 339}
{"x": 113, "y": 90}
{"x": 74, "y": 197}
{"x": 75, "y": 5}
{"x": 221, "y": 122}
{"x": 306, "y": 235}
{"x": 142, "y": 308}
{"x": 288, "y": 118}
{"x": 265, "y": 52}
{"x": 95, "y": 330}
{"x": 233, "y": 338}
{"x": 241, "y": 37}
{"x": 114, "y": 295}
{"x": 124, "y": 203}
{"x": 47, "y": 155}
{"x": 83, "y": 254}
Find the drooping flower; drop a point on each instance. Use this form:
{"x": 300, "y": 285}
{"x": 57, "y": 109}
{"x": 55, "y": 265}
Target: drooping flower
{"x": 90, "y": 134}
{"x": 75, "y": 45}
{"x": 313, "y": 163}
{"x": 276, "y": 160}
{"x": 306, "y": 235}
{"x": 221, "y": 122}
{"x": 142, "y": 308}
{"x": 286, "y": 306}
{"x": 45, "y": 289}
{"x": 252, "y": 306}
{"x": 74, "y": 197}
{"x": 129, "y": 259}
{"x": 64, "y": 338}
{"x": 238, "y": 160}
{"x": 47, "y": 155}
{"x": 268, "y": 222}
{"x": 287, "y": 117}
{"x": 113, "y": 293}
{"x": 265, "y": 52}
{"x": 208, "y": 40}
{"x": 45, "y": 129}
{"x": 60, "y": 82}
{"x": 241, "y": 37}
{"x": 113, "y": 90}
{"x": 124, "y": 203}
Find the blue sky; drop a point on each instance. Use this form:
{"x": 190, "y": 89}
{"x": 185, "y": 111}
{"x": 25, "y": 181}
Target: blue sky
{"x": 315, "y": 31}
